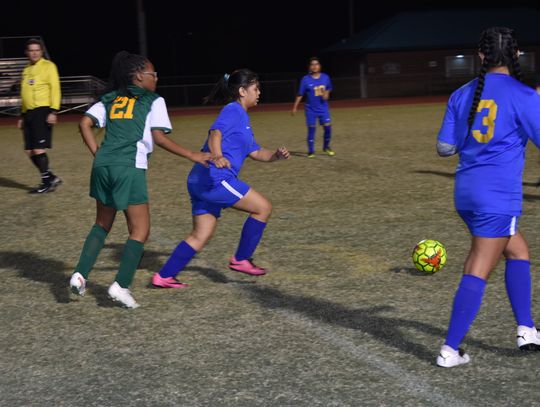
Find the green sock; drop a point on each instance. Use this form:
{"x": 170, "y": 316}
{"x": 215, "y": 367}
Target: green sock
{"x": 133, "y": 251}
{"x": 92, "y": 246}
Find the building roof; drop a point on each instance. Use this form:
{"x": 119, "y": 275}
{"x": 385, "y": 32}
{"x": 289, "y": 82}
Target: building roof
{"x": 441, "y": 29}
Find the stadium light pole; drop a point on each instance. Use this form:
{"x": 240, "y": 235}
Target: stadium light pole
{"x": 351, "y": 18}
{"x": 141, "y": 20}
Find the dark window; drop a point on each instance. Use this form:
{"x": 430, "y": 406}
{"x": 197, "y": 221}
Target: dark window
{"x": 527, "y": 62}
{"x": 459, "y": 65}
{"x": 391, "y": 68}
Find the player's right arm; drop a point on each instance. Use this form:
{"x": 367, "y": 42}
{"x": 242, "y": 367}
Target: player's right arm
{"x": 446, "y": 140}
{"x": 89, "y": 138}
{"x": 295, "y": 105}
{"x": 299, "y": 96}
{"x": 94, "y": 117}
{"x": 529, "y": 118}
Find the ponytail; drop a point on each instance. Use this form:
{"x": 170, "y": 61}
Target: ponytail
{"x": 219, "y": 93}
{"x": 477, "y": 95}
{"x": 123, "y": 69}
{"x": 227, "y": 89}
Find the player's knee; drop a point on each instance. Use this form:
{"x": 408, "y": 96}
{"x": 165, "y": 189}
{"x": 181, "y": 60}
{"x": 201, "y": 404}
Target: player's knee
{"x": 265, "y": 209}
{"x": 200, "y": 238}
{"x": 140, "y": 234}
{"x": 105, "y": 226}
{"x": 521, "y": 253}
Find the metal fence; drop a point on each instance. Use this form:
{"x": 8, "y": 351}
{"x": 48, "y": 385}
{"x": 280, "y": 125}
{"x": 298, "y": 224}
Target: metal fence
{"x": 186, "y": 92}
{"x": 272, "y": 91}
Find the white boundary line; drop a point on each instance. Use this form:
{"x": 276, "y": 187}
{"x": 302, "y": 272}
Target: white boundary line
{"x": 412, "y": 383}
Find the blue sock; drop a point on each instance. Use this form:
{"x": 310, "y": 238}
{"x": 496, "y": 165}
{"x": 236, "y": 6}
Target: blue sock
{"x": 251, "y": 236}
{"x": 327, "y": 136}
{"x": 518, "y": 287}
{"x": 181, "y": 256}
{"x": 467, "y": 303}
{"x": 311, "y": 139}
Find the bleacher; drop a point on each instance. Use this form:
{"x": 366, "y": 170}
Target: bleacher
{"x": 78, "y": 92}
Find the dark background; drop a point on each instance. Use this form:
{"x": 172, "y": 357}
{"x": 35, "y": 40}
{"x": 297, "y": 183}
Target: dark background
{"x": 199, "y": 37}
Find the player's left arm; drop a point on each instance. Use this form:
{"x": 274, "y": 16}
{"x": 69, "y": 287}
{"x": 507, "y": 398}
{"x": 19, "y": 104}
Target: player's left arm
{"x": 85, "y": 126}
{"x": 56, "y": 96}
{"x": 326, "y": 93}
{"x": 267, "y": 155}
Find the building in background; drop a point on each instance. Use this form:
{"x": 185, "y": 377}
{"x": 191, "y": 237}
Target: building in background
{"x": 426, "y": 52}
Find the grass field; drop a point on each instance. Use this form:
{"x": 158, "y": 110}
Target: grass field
{"x": 342, "y": 319}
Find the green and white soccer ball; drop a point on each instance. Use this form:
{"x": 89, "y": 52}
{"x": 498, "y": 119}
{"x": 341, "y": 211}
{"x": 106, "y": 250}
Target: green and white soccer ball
{"x": 429, "y": 256}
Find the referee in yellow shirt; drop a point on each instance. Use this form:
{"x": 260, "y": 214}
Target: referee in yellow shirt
{"x": 40, "y": 94}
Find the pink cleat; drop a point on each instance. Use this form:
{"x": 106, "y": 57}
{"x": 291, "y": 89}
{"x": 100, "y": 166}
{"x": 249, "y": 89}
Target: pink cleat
{"x": 169, "y": 282}
{"x": 246, "y": 266}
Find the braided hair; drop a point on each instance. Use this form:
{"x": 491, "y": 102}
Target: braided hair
{"x": 228, "y": 87}
{"x": 123, "y": 69}
{"x": 500, "y": 48}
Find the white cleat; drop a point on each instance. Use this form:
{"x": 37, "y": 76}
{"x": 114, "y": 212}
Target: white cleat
{"x": 449, "y": 357}
{"x": 122, "y": 295}
{"x": 77, "y": 283}
{"x": 528, "y": 338}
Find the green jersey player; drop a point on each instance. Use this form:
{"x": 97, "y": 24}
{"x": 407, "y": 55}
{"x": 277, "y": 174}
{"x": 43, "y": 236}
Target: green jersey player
{"x": 134, "y": 117}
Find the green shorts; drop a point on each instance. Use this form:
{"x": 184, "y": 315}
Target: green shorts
{"x": 119, "y": 186}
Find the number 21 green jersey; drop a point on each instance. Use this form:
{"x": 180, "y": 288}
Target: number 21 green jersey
{"x": 129, "y": 121}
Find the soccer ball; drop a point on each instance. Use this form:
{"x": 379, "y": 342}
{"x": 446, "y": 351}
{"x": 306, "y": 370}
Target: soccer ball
{"x": 429, "y": 256}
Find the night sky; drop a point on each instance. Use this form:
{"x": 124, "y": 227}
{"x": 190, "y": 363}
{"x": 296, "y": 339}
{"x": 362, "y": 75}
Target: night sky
{"x": 196, "y": 37}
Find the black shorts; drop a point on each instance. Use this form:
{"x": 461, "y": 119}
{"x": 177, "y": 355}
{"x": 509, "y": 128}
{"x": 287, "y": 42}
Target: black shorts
{"x": 37, "y": 132}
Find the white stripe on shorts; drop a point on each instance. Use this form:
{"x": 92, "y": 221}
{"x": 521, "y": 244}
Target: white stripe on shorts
{"x": 231, "y": 189}
{"x": 513, "y": 226}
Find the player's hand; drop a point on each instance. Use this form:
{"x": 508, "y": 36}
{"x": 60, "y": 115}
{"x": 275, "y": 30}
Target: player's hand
{"x": 282, "y": 153}
{"x": 52, "y": 119}
{"x": 221, "y": 162}
{"x": 20, "y": 124}
{"x": 293, "y": 111}
{"x": 326, "y": 95}
{"x": 200, "y": 157}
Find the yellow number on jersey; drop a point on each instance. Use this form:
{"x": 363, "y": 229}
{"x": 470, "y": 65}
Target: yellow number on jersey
{"x": 488, "y": 121}
{"x": 119, "y": 110}
{"x": 319, "y": 90}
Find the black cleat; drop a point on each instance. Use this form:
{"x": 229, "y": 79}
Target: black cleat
{"x": 42, "y": 189}
{"x": 56, "y": 181}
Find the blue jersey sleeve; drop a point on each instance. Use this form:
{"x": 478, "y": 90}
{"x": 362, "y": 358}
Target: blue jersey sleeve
{"x": 225, "y": 120}
{"x": 254, "y": 146}
{"x": 530, "y": 119}
{"x": 302, "y": 88}
{"x": 328, "y": 83}
{"x": 447, "y": 133}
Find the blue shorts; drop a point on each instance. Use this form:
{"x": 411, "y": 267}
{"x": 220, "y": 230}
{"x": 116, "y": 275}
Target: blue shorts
{"x": 489, "y": 224}
{"x": 312, "y": 116}
{"x": 212, "y": 200}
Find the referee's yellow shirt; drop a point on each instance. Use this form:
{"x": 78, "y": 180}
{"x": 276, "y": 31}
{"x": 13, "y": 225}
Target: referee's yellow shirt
{"x": 40, "y": 86}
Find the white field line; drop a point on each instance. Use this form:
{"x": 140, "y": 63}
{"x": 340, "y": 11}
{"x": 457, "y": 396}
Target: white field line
{"x": 414, "y": 384}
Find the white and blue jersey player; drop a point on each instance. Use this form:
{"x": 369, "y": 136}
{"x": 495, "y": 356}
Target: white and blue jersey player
{"x": 488, "y": 123}
{"x": 316, "y": 87}
{"x": 215, "y": 187}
